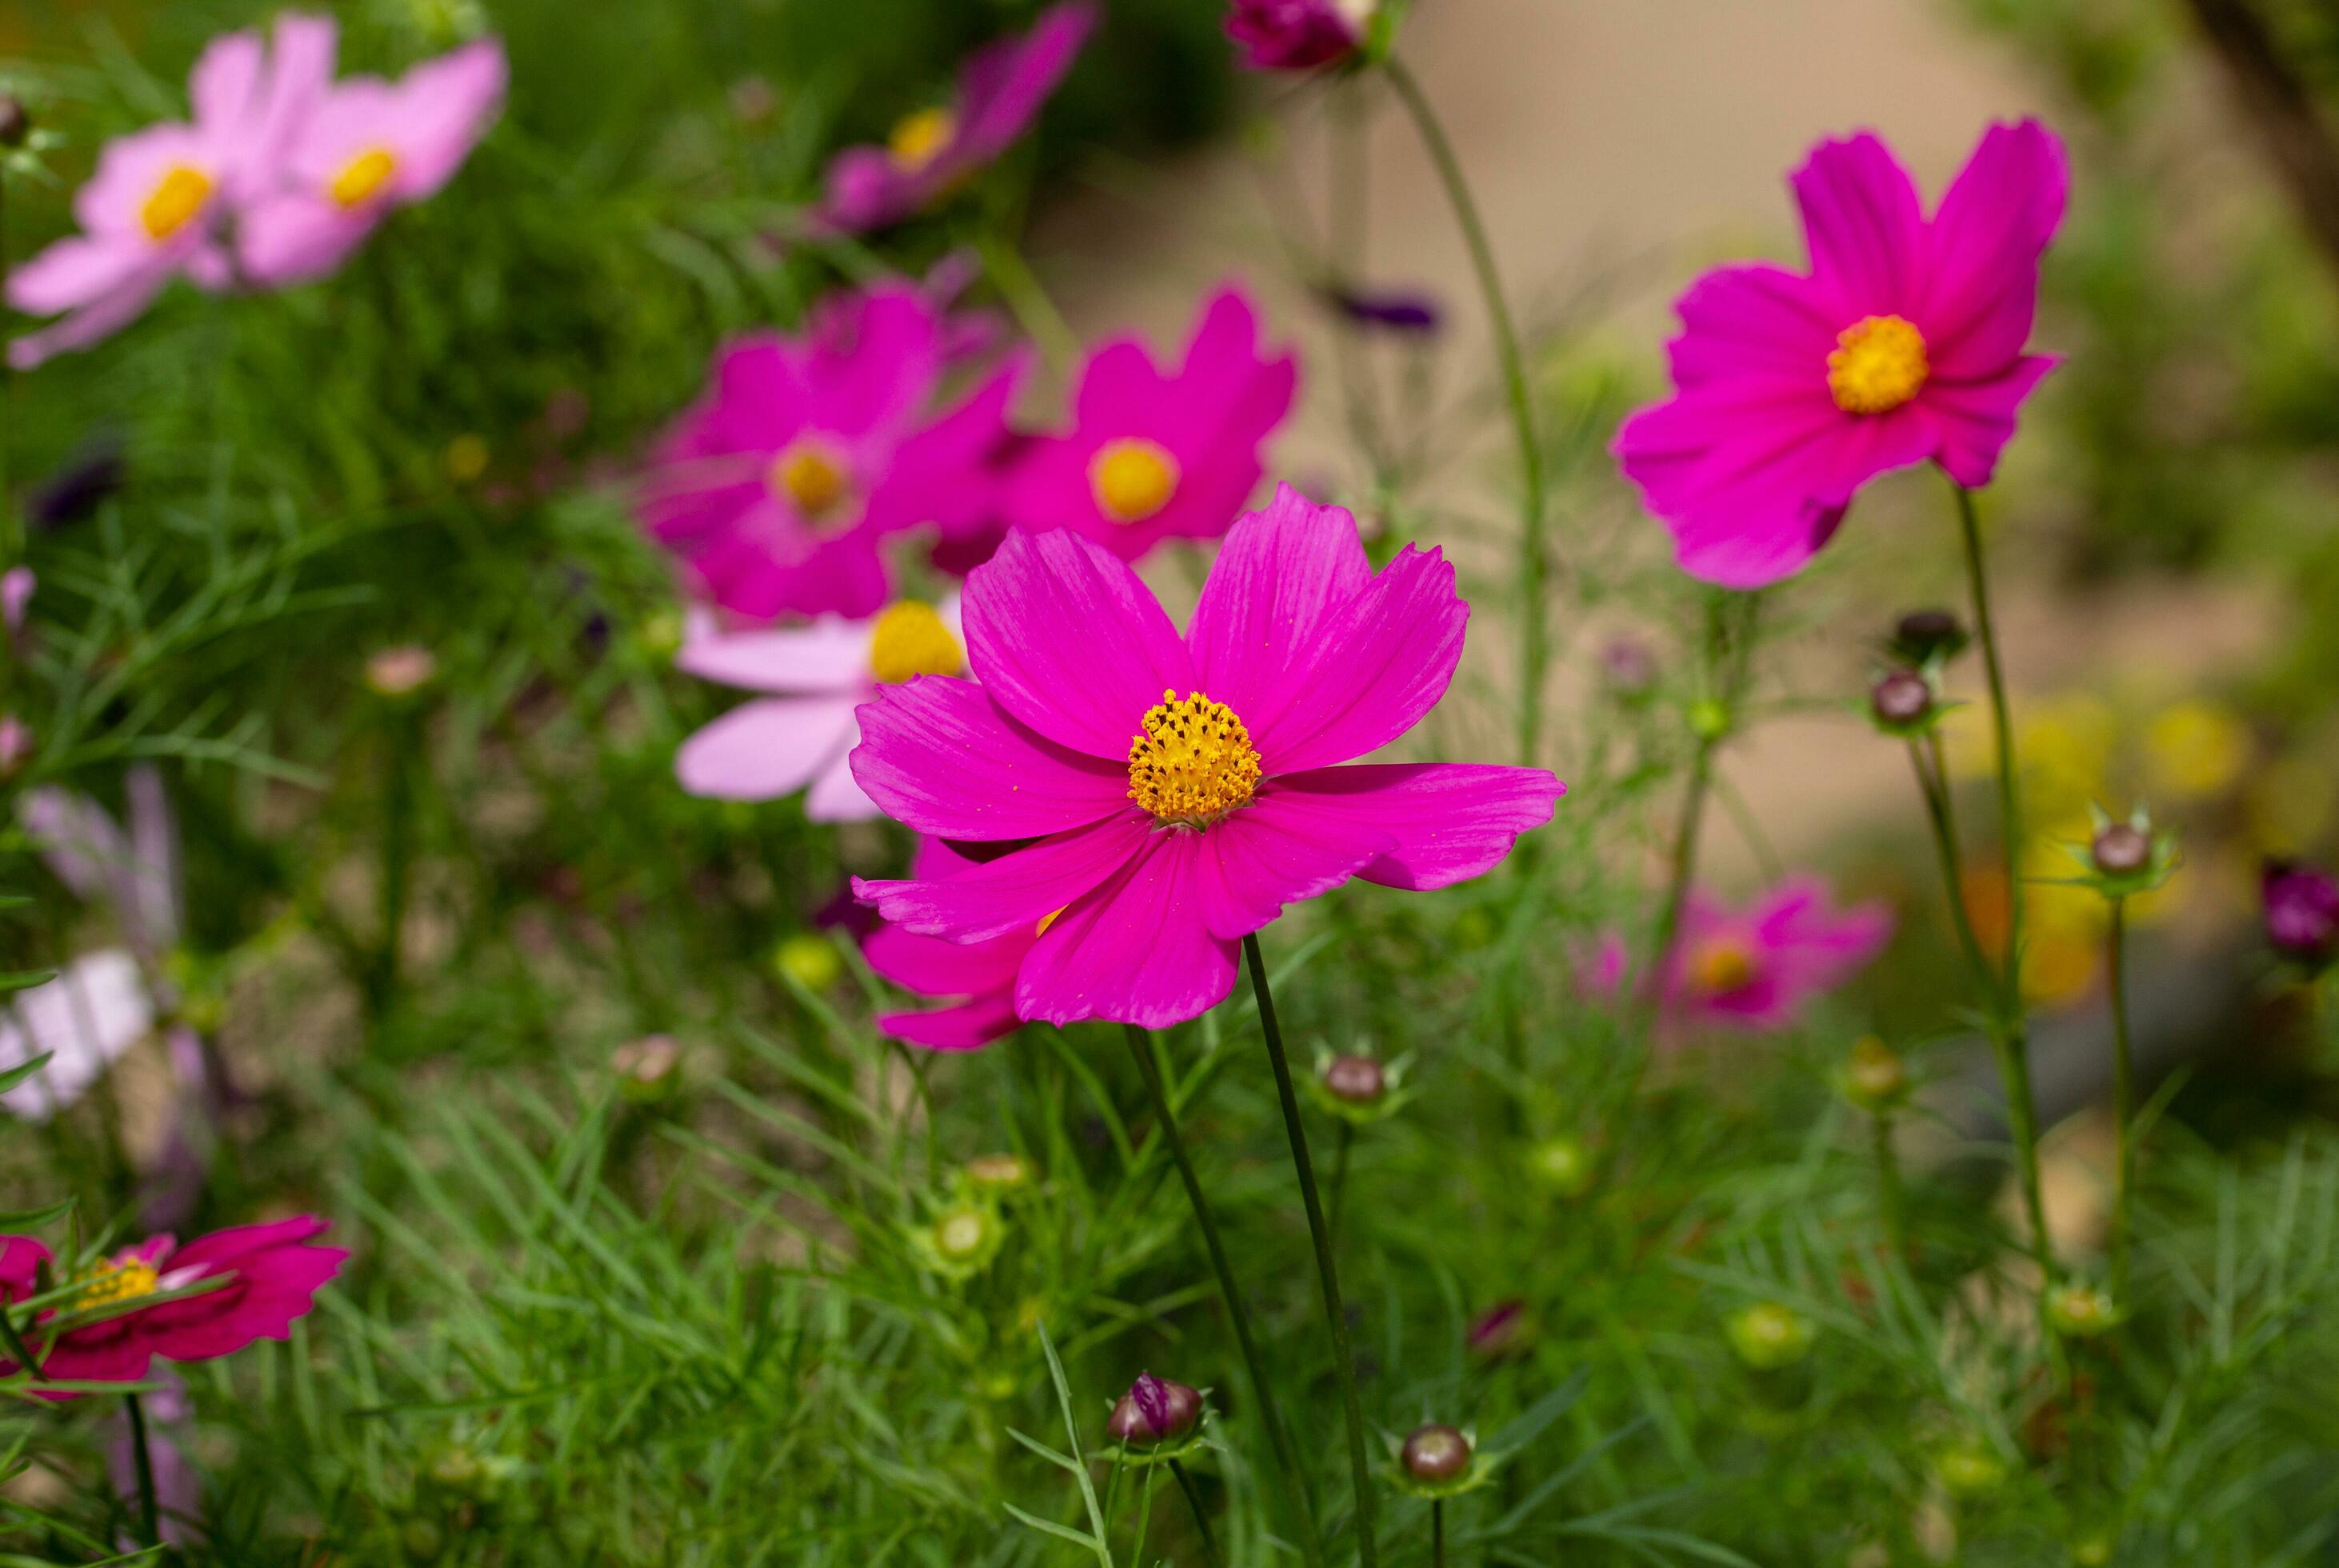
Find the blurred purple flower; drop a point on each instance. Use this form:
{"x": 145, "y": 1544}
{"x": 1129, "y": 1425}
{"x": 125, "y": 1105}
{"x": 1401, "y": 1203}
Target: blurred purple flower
{"x": 1411, "y": 312}
{"x": 1755, "y": 968}
{"x": 2302, "y": 911}
{"x": 1298, "y": 34}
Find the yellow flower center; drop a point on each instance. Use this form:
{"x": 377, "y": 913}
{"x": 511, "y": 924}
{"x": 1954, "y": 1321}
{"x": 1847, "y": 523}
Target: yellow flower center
{"x": 178, "y": 197}
{"x": 1132, "y": 479}
{"x": 812, "y": 476}
{"x": 1194, "y": 764}
{"x": 1722, "y": 965}
{"x": 910, "y": 639}
{"x": 363, "y": 175}
{"x": 110, "y": 1282}
{"x": 919, "y": 139}
{"x": 1877, "y": 364}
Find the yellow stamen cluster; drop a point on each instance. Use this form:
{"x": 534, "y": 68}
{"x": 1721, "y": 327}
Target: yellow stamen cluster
{"x": 1132, "y": 479}
{"x": 361, "y": 176}
{"x": 909, "y": 640}
{"x": 177, "y": 198}
{"x": 919, "y": 139}
{"x": 110, "y": 1282}
{"x": 1877, "y": 364}
{"x": 1720, "y": 965}
{"x": 1194, "y": 764}
{"x": 811, "y": 476}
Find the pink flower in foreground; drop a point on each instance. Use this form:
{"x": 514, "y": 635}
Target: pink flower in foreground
{"x": 1904, "y": 344}
{"x": 1756, "y": 968}
{"x": 1181, "y": 790}
{"x": 817, "y": 676}
{"x": 273, "y": 1273}
{"x": 1298, "y": 34}
{"x": 1000, "y": 91}
{"x": 980, "y": 974}
{"x": 155, "y": 206}
{"x": 1153, "y": 455}
{"x": 368, "y": 146}
{"x": 807, "y": 452}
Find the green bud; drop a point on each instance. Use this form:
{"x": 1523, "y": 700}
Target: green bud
{"x": 810, "y": 959}
{"x": 1768, "y": 1336}
{"x": 1562, "y": 1164}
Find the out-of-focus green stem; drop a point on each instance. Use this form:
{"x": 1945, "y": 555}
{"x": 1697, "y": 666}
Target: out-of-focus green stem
{"x": 1201, "y": 1520}
{"x": 2122, "y": 1103}
{"x": 150, "y": 1522}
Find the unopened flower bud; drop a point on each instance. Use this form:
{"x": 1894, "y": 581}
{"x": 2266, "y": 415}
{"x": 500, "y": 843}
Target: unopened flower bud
{"x": 1768, "y": 1336}
{"x": 2081, "y": 1311}
{"x": 809, "y": 959}
{"x": 1630, "y": 666}
{"x": 999, "y": 1172}
{"x": 2121, "y": 850}
{"x": 1562, "y": 1164}
{"x": 1709, "y": 720}
{"x": 965, "y": 1235}
{"x": 1435, "y": 1452}
{"x": 1922, "y": 635}
{"x": 1968, "y": 1470}
{"x": 1501, "y": 1332}
{"x": 401, "y": 671}
{"x": 1358, "y": 1079}
{"x": 648, "y": 1064}
{"x": 1874, "y": 1078}
{"x": 1901, "y": 698}
{"x": 16, "y": 120}
{"x": 1154, "y": 1410}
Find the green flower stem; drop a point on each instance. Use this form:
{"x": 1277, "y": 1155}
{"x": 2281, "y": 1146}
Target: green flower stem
{"x": 1533, "y": 569}
{"x": 150, "y": 1524}
{"x": 1437, "y": 1533}
{"x": 2122, "y": 1103}
{"x": 1311, "y": 1548}
{"x": 1328, "y": 1273}
{"x": 1895, "y": 1194}
{"x": 1340, "y": 1174}
{"x": 1201, "y": 1520}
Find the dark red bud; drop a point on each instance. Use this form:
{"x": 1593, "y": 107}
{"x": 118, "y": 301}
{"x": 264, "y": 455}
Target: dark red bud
{"x": 1901, "y": 698}
{"x": 1435, "y": 1451}
{"x": 1155, "y": 1410}
{"x": 2121, "y": 850}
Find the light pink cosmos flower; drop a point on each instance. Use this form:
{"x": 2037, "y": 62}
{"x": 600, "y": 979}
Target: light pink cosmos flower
{"x": 930, "y": 152}
{"x": 818, "y": 676}
{"x": 84, "y": 1020}
{"x": 807, "y": 452}
{"x": 155, "y": 208}
{"x": 1904, "y": 344}
{"x": 1756, "y": 968}
{"x": 1154, "y": 455}
{"x": 980, "y": 974}
{"x": 273, "y": 1273}
{"x": 368, "y": 146}
{"x": 1180, "y": 789}
{"x": 1298, "y": 34}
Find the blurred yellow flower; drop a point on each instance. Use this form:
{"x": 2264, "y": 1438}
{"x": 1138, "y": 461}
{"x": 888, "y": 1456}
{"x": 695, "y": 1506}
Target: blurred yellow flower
{"x": 2196, "y": 749}
{"x": 466, "y": 459}
{"x": 2290, "y": 806}
{"x": 2058, "y": 967}
{"x": 2066, "y": 743}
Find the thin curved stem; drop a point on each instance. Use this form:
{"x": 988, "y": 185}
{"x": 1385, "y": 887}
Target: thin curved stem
{"x": 1328, "y": 1273}
{"x": 1201, "y": 1520}
{"x": 1311, "y": 1548}
{"x": 2122, "y": 1103}
{"x": 1533, "y": 568}
{"x": 150, "y": 1524}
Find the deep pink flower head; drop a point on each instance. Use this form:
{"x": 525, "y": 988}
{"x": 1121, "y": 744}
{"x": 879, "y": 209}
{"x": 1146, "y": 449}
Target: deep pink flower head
{"x": 274, "y": 1274}
{"x": 157, "y": 206}
{"x": 930, "y": 152}
{"x": 817, "y": 677}
{"x": 2302, "y": 911}
{"x": 980, "y": 974}
{"x": 1154, "y": 455}
{"x": 1298, "y": 34}
{"x": 1755, "y": 968}
{"x": 1180, "y": 789}
{"x": 1904, "y": 344}
{"x": 807, "y": 452}
{"x": 368, "y": 146}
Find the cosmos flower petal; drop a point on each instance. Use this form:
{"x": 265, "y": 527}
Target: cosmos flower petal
{"x": 224, "y": 87}
{"x": 768, "y": 748}
{"x": 100, "y": 318}
{"x": 1866, "y": 230}
{"x": 1993, "y": 225}
{"x": 1017, "y": 890}
{"x": 1751, "y": 321}
{"x": 1448, "y": 822}
{"x": 938, "y": 755}
{"x": 1132, "y": 951}
{"x": 1272, "y": 602}
{"x": 77, "y": 270}
{"x": 968, "y": 1025}
{"x": 1278, "y": 852}
{"x": 1973, "y": 421}
{"x": 931, "y": 966}
{"x": 1069, "y": 642}
{"x": 830, "y": 656}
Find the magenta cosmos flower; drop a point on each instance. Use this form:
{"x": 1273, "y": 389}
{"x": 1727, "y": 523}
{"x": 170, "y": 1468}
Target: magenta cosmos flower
{"x": 1156, "y": 455}
{"x": 157, "y": 205}
{"x": 979, "y": 975}
{"x": 366, "y": 147}
{"x": 2302, "y": 911}
{"x": 273, "y": 1273}
{"x": 1903, "y": 343}
{"x": 1756, "y": 968}
{"x": 930, "y": 152}
{"x": 1298, "y": 34}
{"x": 807, "y": 452}
{"x": 1180, "y": 791}
{"x": 816, "y": 676}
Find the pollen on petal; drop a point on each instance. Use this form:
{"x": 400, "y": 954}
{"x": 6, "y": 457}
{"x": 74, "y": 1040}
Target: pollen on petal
{"x": 362, "y": 176}
{"x": 1132, "y": 479}
{"x": 1877, "y": 364}
{"x": 1194, "y": 764}
{"x": 910, "y": 640}
{"x": 178, "y": 197}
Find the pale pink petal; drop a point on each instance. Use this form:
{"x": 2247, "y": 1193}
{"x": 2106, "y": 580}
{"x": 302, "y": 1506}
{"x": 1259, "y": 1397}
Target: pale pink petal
{"x": 765, "y": 749}
{"x": 830, "y": 656}
{"x": 940, "y": 756}
{"x": 75, "y": 271}
{"x": 85, "y": 1017}
{"x": 1866, "y": 231}
{"x": 224, "y": 88}
{"x": 837, "y": 796}
{"x": 100, "y": 318}
{"x": 294, "y": 236}
{"x": 1016, "y": 890}
{"x": 1446, "y": 821}
{"x": 1135, "y": 951}
{"x": 447, "y": 104}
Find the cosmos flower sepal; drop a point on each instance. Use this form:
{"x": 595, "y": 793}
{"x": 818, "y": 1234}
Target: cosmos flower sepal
{"x": 962, "y": 1240}
{"x": 2122, "y": 858}
{"x": 1904, "y": 703}
{"x": 1422, "y": 1463}
{"x": 1325, "y": 1086}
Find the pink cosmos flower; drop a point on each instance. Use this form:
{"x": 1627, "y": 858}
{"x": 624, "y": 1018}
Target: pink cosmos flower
{"x": 1180, "y": 789}
{"x": 2302, "y": 911}
{"x": 1154, "y": 456}
{"x": 1298, "y": 34}
{"x": 980, "y": 974}
{"x": 933, "y": 151}
{"x": 807, "y": 452}
{"x": 1754, "y": 970}
{"x": 273, "y": 1273}
{"x": 155, "y": 206}
{"x": 84, "y": 1021}
{"x": 366, "y": 147}
{"x": 818, "y": 675}
{"x": 1903, "y": 343}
